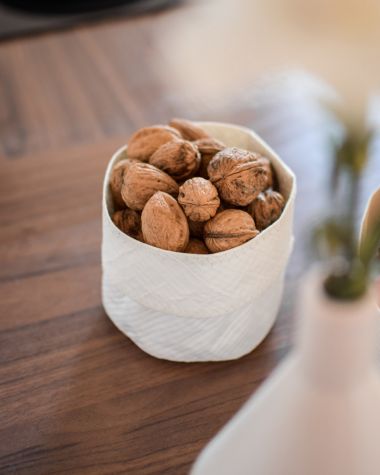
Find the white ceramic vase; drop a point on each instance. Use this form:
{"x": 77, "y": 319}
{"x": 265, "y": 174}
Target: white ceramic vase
{"x": 319, "y": 413}
{"x": 370, "y": 218}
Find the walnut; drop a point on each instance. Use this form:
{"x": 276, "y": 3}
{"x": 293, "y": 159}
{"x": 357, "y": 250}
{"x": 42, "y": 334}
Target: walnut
{"x": 266, "y": 208}
{"x": 196, "y": 228}
{"x": 229, "y": 229}
{"x": 179, "y": 158}
{"x": 199, "y": 199}
{"x": 129, "y": 222}
{"x": 164, "y": 224}
{"x": 147, "y": 140}
{"x": 239, "y": 175}
{"x": 208, "y": 147}
{"x": 189, "y": 130}
{"x": 141, "y": 181}
{"x": 224, "y": 205}
{"x": 271, "y": 176}
{"x": 116, "y": 181}
{"x": 196, "y": 246}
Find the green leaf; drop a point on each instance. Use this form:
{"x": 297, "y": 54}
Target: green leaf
{"x": 347, "y": 284}
{"x": 370, "y": 245}
{"x": 352, "y": 154}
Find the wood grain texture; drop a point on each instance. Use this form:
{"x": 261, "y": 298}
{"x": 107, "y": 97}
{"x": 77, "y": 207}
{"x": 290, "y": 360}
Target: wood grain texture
{"x": 76, "y": 396}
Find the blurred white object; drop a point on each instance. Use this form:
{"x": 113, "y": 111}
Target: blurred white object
{"x": 371, "y": 217}
{"x": 319, "y": 413}
{"x": 289, "y": 110}
{"x": 371, "y": 214}
{"x": 186, "y": 307}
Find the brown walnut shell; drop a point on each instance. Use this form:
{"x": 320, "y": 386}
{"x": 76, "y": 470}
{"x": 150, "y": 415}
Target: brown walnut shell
{"x": 239, "y": 175}
{"x": 141, "y": 181}
{"x": 189, "y": 130}
{"x": 208, "y": 147}
{"x": 179, "y": 158}
{"x": 266, "y": 208}
{"x": 116, "y": 181}
{"x": 196, "y": 246}
{"x": 229, "y": 229}
{"x": 144, "y": 142}
{"x": 164, "y": 224}
{"x": 129, "y": 222}
{"x": 199, "y": 199}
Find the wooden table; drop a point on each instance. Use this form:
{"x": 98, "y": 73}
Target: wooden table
{"x": 76, "y": 396}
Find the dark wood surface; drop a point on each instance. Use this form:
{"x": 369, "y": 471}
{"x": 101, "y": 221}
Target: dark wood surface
{"x": 76, "y": 396}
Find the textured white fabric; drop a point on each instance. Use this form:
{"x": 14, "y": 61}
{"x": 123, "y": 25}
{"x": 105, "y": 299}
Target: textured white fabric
{"x": 186, "y": 307}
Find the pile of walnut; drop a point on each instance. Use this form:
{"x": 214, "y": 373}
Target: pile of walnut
{"x": 182, "y": 190}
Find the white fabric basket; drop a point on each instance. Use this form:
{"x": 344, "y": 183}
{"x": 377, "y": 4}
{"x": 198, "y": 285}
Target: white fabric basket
{"x": 188, "y": 307}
